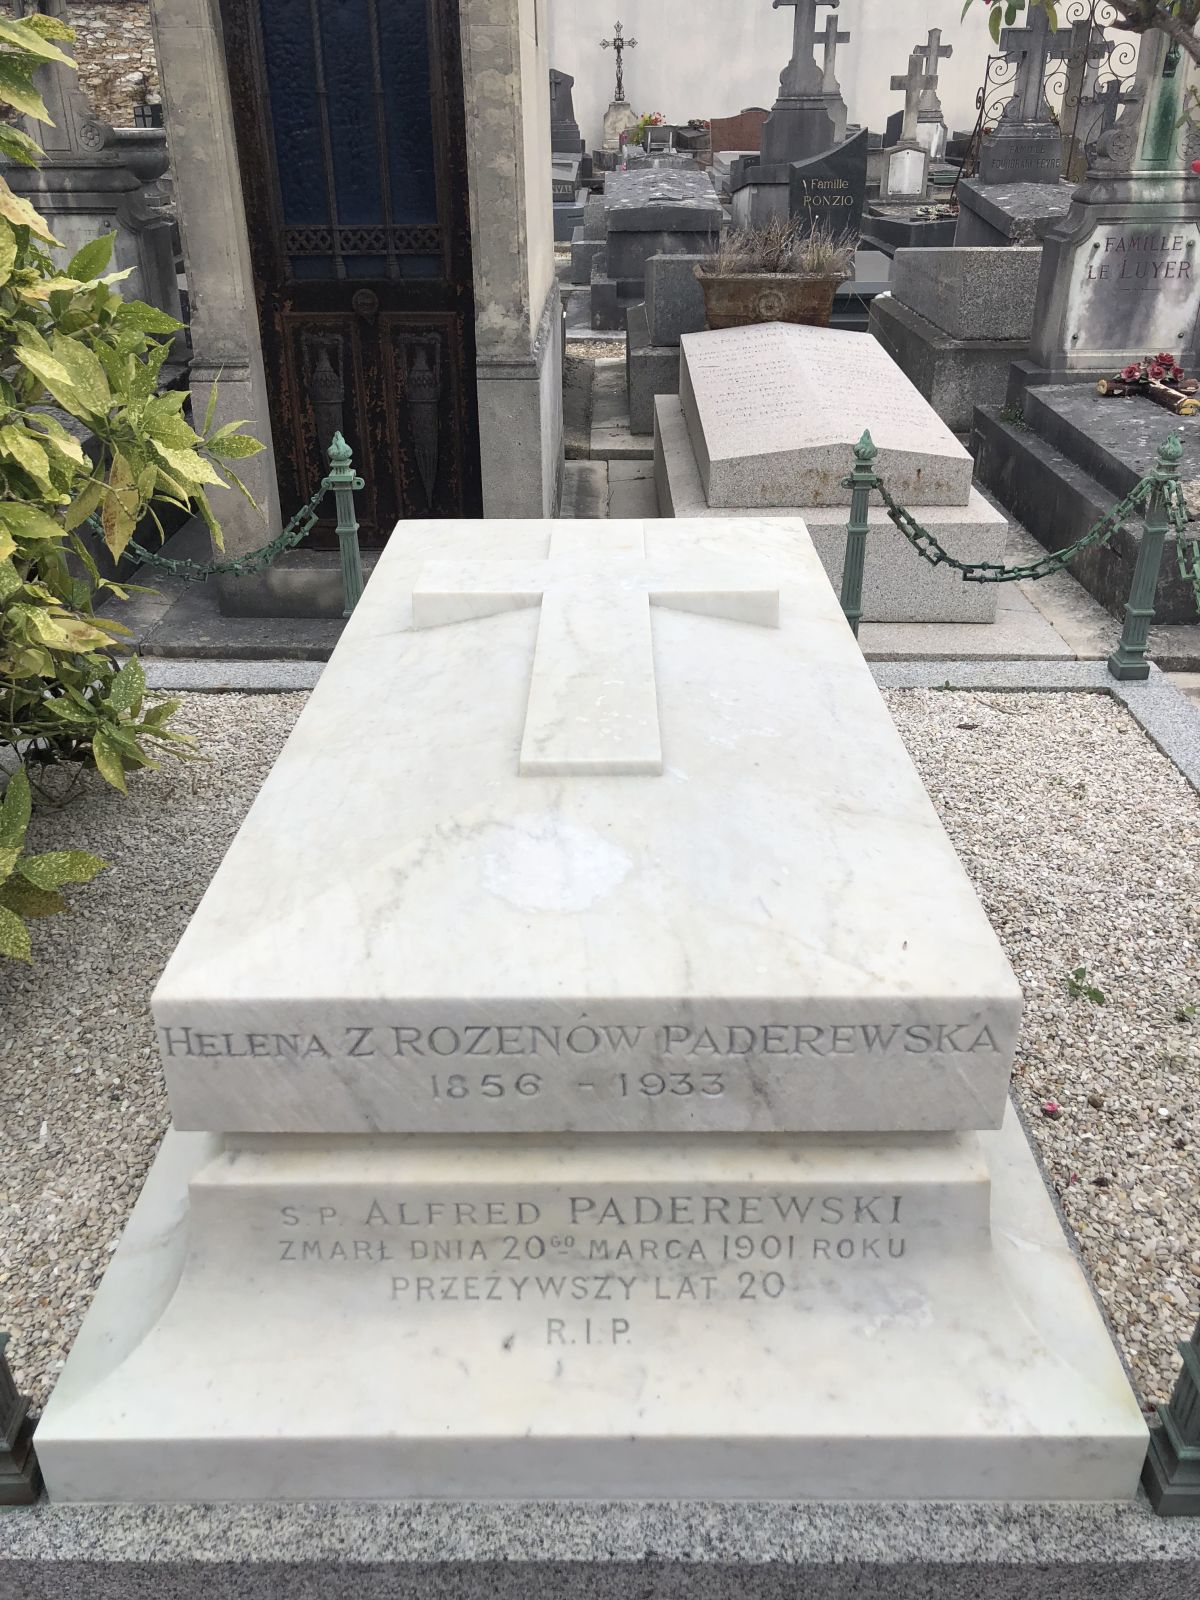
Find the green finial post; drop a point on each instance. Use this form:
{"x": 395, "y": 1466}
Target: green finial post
{"x": 1171, "y": 1475}
{"x": 1128, "y": 661}
{"x": 343, "y": 481}
{"x": 861, "y": 481}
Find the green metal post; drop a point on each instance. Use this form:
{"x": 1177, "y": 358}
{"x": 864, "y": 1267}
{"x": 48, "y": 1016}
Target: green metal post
{"x": 1128, "y": 660}
{"x": 1171, "y": 1475}
{"x": 343, "y": 481}
{"x": 861, "y": 481}
{"x": 20, "y": 1476}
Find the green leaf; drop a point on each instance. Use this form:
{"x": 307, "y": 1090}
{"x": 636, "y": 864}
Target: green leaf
{"x": 85, "y": 372}
{"x": 27, "y": 521}
{"x": 29, "y": 901}
{"x": 16, "y": 87}
{"x": 84, "y": 503}
{"x": 10, "y": 854}
{"x": 128, "y": 688}
{"x": 53, "y": 375}
{"x": 146, "y": 319}
{"x": 15, "y": 809}
{"x": 8, "y": 246}
{"x": 186, "y": 465}
{"x": 994, "y": 23}
{"x": 21, "y": 214}
{"x": 167, "y": 427}
{"x": 90, "y": 261}
{"x": 23, "y": 37}
{"x": 14, "y": 936}
{"x": 18, "y": 146}
{"x": 210, "y": 410}
{"x": 233, "y": 446}
{"x": 27, "y": 453}
{"x": 10, "y": 580}
{"x": 56, "y": 867}
{"x": 47, "y": 26}
{"x": 108, "y": 761}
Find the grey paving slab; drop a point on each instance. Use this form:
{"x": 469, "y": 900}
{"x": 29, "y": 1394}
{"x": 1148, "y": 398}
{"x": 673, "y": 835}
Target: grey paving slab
{"x": 219, "y": 677}
{"x": 1019, "y": 632}
{"x": 585, "y": 489}
{"x": 683, "y": 1550}
{"x": 636, "y": 497}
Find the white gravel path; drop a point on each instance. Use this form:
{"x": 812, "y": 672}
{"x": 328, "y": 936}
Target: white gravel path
{"x": 1084, "y": 844}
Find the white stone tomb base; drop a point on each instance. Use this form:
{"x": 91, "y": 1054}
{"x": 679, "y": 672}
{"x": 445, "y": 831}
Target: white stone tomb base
{"x": 252, "y": 1345}
{"x": 898, "y": 585}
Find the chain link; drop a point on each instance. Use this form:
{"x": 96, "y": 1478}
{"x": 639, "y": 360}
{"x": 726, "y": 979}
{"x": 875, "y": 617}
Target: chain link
{"x": 927, "y": 545}
{"x": 297, "y": 530}
{"x": 1187, "y": 548}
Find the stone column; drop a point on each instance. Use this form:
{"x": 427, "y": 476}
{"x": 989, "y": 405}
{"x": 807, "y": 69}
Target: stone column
{"x": 216, "y": 252}
{"x": 518, "y": 324}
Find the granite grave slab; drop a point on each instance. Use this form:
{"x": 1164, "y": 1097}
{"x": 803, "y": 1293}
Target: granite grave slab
{"x": 772, "y": 411}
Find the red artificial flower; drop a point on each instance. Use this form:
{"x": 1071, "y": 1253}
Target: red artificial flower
{"x": 1156, "y": 372}
{"x": 1131, "y": 373}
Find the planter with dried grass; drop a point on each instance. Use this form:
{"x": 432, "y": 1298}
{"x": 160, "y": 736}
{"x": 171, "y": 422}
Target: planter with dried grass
{"x": 776, "y": 273}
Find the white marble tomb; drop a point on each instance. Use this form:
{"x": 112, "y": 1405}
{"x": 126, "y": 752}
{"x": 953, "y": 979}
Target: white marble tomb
{"x": 703, "y": 907}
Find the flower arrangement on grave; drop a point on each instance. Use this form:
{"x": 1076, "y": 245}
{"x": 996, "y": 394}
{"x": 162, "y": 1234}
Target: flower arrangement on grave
{"x": 648, "y": 119}
{"x": 784, "y": 271}
{"x": 1161, "y": 379}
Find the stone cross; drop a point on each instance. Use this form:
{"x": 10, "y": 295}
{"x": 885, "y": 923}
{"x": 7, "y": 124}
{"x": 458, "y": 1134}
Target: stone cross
{"x": 801, "y": 76}
{"x": 931, "y": 52}
{"x": 913, "y": 85}
{"x": 829, "y": 83}
{"x": 1033, "y": 48}
{"x": 593, "y": 702}
{"x": 619, "y": 44}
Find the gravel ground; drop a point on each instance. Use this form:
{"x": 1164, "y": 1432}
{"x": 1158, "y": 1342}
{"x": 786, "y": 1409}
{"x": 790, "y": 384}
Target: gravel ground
{"x": 81, "y": 1101}
{"x": 1083, "y": 842}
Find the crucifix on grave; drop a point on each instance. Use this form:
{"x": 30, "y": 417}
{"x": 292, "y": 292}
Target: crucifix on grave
{"x": 931, "y": 124}
{"x": 833, "y": 38}
{"x": 802, "y": 76}
{"x": 1033, "y": 48}
{"x": 1026, "y": 145}
{"x": 619, "y": 44}
{"x": 1089, "y": 48}
{"x": 906, "y": 164}
{"x": 593, "y": 702}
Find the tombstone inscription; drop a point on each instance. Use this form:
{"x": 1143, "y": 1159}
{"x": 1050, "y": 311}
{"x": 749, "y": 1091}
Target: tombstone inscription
{"x": 1026, "y": 145}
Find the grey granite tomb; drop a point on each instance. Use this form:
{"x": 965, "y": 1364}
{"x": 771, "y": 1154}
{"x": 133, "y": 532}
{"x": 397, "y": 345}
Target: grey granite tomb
{"x": 654, "y": 211}
{"x": 674, "y": 306}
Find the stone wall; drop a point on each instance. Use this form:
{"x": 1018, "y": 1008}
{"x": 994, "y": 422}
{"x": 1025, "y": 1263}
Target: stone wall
{"x": 115, "y": 50}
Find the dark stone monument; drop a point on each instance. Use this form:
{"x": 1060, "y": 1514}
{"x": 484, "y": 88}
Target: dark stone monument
{"x": 565, "y": 137}
{"x": 1026, "y": 146}
{"x": 810, "y": 114}
{"x": 830, "y": 190}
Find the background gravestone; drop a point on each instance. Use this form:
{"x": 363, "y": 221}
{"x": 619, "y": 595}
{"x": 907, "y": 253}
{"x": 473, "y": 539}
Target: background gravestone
{"x": 829, "y": 191}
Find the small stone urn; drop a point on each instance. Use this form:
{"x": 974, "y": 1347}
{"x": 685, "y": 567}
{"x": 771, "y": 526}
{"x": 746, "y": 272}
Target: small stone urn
{"x": 734, "y": 300}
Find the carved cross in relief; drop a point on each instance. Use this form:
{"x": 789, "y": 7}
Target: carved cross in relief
{"x": 593, "y": 701}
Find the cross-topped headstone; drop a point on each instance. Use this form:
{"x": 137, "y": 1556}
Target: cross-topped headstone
{"x": 1033, "y": 48}
{"x": 931, "y": 52}
{"x": 833, "y": 38}
{"x": 593, "y": 703}
{"x": 619, "y": 44}
{"x": 802, "y": 76}
{"x": 912, "y": 83}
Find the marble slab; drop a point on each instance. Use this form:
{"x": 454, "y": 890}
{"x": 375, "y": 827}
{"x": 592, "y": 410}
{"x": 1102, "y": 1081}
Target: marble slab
{"x": 775, "y": 410}
{"x": 744, "y": 1319}
{"x": 477, "y": 897}
{"x": 898, "y": 586}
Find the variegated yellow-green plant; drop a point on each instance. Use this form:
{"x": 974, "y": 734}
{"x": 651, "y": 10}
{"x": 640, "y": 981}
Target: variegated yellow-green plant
{"x": 85, "y": 435}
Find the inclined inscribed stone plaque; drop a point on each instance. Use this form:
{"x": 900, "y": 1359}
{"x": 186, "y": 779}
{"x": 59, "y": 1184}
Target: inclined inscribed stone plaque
{"x": 571, "y": 864}
{"x": 774, "y": 411}
{"x": 1135, "y": 288}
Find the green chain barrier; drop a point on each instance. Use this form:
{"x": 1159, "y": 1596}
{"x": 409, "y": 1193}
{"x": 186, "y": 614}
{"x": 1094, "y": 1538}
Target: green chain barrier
{"x": 1187, "y": 549}
{"x": 1160, "y": 493}
{"x": 341, "y": 483}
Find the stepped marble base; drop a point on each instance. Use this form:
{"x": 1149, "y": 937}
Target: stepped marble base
{"x": 898, "y": 586}
{"x": 788, "y": 1319}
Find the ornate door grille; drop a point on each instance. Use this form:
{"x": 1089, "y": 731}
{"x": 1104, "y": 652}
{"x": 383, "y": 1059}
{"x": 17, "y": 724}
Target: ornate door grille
{"x": 351, "y": 143}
